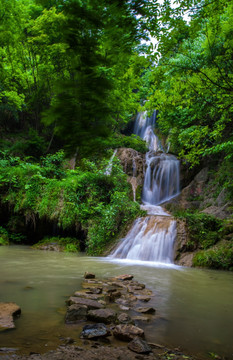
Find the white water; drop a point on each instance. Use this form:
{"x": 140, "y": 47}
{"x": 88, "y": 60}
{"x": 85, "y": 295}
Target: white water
{"x": 108, "y": 169}
{"x": 152, "y": 238}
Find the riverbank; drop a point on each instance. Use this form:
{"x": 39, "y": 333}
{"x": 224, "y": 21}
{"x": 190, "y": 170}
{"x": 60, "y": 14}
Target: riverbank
{"x": 100, "y": 352}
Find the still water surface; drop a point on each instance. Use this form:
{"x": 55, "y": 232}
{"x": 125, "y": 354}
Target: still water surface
{"x": 194, "y": 307}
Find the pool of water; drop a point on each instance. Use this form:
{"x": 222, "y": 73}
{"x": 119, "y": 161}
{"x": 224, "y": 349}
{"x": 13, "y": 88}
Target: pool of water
{"x": 194, "y": 308}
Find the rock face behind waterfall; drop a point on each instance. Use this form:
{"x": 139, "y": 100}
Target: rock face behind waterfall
{"x": 133, "y": 164}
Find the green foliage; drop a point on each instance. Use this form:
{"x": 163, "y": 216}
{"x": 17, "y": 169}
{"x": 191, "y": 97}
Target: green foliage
{"x": 192, "y": 84}
{"x": 4, "y": 237}
{"x": 218, "y": 257}
{"x": 204, "y": 230}
{"x": 67, "y": 244}
{"x": 85, "y": 197}
{"x": 133, "y": 141}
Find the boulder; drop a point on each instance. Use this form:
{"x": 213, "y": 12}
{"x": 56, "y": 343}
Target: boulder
{"x": 143, "y": 298}
{"x": 75, "y": 313}
{"x": 127, "y": 332}
{"x": 124, "y": 277}
{"x": 88, "y": 275}
{"x": 95, "y": 331}
{"x": 7, "y": 313}
{"x": 146, "y": 310}
{"x": 85, "y": 295}
{"x": 105, "y": 316}
{"x": 124, "y": 318}
{"x": 91, "y": 304}
{"x": 139, "y": 346}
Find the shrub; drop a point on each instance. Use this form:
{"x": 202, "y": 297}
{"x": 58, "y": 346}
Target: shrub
{"x": 218, "y": 257}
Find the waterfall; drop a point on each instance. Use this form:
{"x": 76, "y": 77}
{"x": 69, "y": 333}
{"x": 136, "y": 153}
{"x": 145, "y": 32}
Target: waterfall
{"x": 152, "y": 238}
{"x": 108, "y": 169}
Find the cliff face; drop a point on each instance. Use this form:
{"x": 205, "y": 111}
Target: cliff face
{"x": 209, "y": 225}
{"x": 133, "y": 164}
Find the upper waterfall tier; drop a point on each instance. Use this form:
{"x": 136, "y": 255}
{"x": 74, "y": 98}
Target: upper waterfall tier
{"x": 162, "y": 177}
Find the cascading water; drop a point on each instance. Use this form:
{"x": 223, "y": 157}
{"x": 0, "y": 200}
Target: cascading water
{"x": 152, "y": 238}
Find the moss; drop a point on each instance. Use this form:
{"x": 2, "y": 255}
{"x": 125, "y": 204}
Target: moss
{"x": 66, "y": 244}
{"x": 218, "y": 257}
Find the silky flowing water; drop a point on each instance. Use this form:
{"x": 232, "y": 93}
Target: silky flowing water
{"x": 194, "y": 307}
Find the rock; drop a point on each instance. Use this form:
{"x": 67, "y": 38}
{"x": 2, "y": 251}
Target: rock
{"x": 94, "y": 290}
{"x": 91, "y": 304}
{"x": 124, "y": 277}
{"x": 124, "y": 308}
{"x": 87, "y": 296}
{"x": 7, "y": 312}
{"x": 146, "y": 310}
{"x": 140, "y": 318}
{"x": 75, "y": 313}
{"x": 88, "y": 275}
{"x": 124, "y": 318}
{"x": 139, "y": 346}
{"x": 95, "y": 331}
{"x": 143, "y": 298}
{"x": 127, "y": 332}
{"x": 105, "y": 316}
{"x": 186, "y": 259}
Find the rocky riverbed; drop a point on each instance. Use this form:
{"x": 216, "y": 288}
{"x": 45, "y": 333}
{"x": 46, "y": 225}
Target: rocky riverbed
{"x": 113, "y": 314}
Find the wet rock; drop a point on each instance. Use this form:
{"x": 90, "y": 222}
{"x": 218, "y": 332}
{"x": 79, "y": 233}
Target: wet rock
{"x": 75, "y": 313}
{"x": 146, "y": 310}
{"x": 140, "y": 318}
{"x": 124, "y": 318}
{"x": 143, "y": 298}
{"x": 7, "y": 312}
{"x": 127, "y": 332}
{"x": 91, "y": 304}
{"x": 95, "y": 331}
{"x": 87, "y": 296}
{"x": 88, "y": 275}
{"x": 94, "y": 290}
{"x": 124, "y": 277}
{"x": 139, "y": 346}
{"x": 105, "y": 316}
{"x": 124, "y": 308}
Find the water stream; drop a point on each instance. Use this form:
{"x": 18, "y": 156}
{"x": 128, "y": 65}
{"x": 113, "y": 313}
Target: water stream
{"x": 152, "y": 238}
{"x": 194, "y": 308}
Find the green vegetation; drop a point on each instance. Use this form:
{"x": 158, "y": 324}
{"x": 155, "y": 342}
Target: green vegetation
{"x": 85, "y": 197}
{"x": 210, "y": 238}
{"x": 73, "y": 75}
{"x": 66, "y": 244}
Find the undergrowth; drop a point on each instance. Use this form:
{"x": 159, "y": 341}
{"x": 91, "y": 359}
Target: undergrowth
{"x": 85, "y": 197}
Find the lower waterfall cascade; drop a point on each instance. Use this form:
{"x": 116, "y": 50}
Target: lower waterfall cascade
{"x": 151, "y": 238}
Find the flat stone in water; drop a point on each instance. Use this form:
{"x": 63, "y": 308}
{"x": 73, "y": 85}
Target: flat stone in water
{"x": 95, "y": 331}
{"x": 145, "y": 310}
{"x": 7, "y": 312}
{"x": 102, "y": 315}
{"x": 91, "y": 304}
{"x": 127, "y": 332}
{"x": 75, "y": 313}
{"x": 124, "y": 277}
{"x": 139, "y": 346}
{"x": 88, "y": 275}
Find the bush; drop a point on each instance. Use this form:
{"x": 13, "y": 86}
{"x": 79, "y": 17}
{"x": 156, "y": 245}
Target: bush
{"x": 4, "y": 237}
{"x": 218, "y": 257}
{"x": 204, "y": 230}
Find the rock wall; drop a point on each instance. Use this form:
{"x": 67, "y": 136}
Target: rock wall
{"x": 133, "y": 164}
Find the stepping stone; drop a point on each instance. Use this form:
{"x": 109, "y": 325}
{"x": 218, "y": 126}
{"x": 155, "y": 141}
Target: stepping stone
{"x": 105, "y": 316}
{"x": 7, "y": 313}
{"x": 145, "y": 310}
{"x": 127, "y": 332}
{"x": 91, "y": 304}
{"x": 95, "y": 331}
{"x": 75, "y": 313}
{"x": 139, "y": 346}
